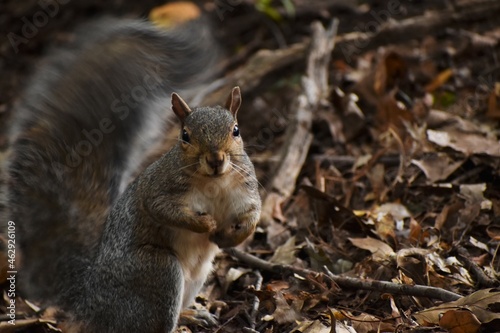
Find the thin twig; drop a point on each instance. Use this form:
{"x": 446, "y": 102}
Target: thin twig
{"x": 348, "y": 282}
{"x": 256, "y": 301}
{"x": 394, "y": 288}
{"x": 355, "y": 43}
{"x": 249, "y": 330}
{"x": 482, "y": 279}
{"x": 344, "y": 161}
{"x": 298, "y": 134}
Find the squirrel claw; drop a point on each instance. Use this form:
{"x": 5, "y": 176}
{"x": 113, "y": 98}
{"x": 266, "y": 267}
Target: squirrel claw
{"x": 198, "y": 317}
{"x": 207, "y": 223}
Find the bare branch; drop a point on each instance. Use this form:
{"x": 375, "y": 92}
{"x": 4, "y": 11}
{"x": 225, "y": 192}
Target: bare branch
{"x": 348, "y": 282}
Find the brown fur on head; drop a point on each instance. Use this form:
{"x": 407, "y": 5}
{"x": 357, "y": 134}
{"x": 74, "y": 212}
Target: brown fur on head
{"x": 209, "y": 136}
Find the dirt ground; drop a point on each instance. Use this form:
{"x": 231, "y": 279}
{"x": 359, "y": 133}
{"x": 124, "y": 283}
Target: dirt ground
{"x": 378, "y": 157}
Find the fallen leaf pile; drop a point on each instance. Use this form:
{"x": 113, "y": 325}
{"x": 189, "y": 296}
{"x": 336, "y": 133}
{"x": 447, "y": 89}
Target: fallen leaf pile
{"x": 386, "y": 215}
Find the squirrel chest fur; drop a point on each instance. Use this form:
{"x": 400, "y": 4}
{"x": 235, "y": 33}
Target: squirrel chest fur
{"x": 221, "y": 198}
{"x": 119, "y": 254}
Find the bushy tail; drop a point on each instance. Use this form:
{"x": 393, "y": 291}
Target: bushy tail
{"x": 83, "y": 128}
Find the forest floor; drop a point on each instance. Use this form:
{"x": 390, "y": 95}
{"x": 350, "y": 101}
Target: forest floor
{"x": 374, "y": 129}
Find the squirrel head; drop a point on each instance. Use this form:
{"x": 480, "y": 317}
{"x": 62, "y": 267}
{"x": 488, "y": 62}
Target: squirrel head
{"x": 210, "y": 138}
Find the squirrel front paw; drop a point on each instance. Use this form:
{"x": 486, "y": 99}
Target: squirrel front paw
{"x": 205, "y": 223}
{"x": 235, "y": 233}
{"x": 200, "y": 317}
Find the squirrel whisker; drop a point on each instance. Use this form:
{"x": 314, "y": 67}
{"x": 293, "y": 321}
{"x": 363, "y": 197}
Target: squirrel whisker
{"x": 247, "y": 174}
{"x": 188, "y": 166}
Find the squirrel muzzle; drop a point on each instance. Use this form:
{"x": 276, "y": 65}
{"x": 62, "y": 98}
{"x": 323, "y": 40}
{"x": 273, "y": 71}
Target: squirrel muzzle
{"x": 216, "y": 163}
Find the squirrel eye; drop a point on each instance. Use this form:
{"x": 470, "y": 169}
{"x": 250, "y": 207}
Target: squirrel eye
{"x": 185, "y": 136}
{"x": 236, "y": 130}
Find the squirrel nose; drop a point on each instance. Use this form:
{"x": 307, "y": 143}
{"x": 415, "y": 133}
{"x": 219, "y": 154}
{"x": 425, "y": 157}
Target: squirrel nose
{"x": 215, "y": 161}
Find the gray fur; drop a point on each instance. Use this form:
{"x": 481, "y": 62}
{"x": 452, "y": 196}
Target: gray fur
{"x": 60, "y": 188}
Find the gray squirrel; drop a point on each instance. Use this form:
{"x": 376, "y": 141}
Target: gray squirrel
{"x": 119, "y": 252}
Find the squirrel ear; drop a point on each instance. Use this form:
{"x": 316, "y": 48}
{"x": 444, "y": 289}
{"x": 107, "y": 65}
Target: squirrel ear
{"x": 233, "y": 102}
{"x": 180, "y": 108}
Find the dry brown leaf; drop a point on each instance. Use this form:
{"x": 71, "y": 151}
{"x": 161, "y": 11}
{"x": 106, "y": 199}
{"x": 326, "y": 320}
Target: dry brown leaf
{"x": 384, "y": 226}
{"x": 413, "y": 264}
{"x": 467, "y": 143}
{"x": 453, "y": 270}
{"x": 174, "y": 13}
{"x": 398, "y": 211}
{"x": 493, "y": 102}
{"x": 437, "y": 166}
{"x": 285, "y": 254}
{"x": 352, "y": 118}
{"x": 277, "y": 285}
{"x": 449, "y": 213}
{"x": 479, "y": 303}
{"x": 388, "y": 217}
{"x": 474, "y": 203}
{"x": 338, "y": 214}
{"x": 318, "y": 327}
{"x": 284, "y": 313}
{"x": 453, "y": 266}
{"x": 341, "y": 327}
{"x": 277, "y": 212}
{"x": 376, "y": 176}
{"x": 460, "y": 321}
{"x": 496, "y": 206}
{"x": 493, "y": 232}
{"x": 277, "y": 234}
{"x": 311, "y": 327}
{"x": 416, "y": 235}
{"x": 395, "y": 312}
{"x": 366, "y": 323}
{"x": 393, "y": 114}
{"x": 479, "y": 244}
{"x": 439, "y": 80}
{"x": 474, "y": 194}
{"x": 441, "y": 119}
{"x": 300, "y": 209}
{"x": 271, "y": 209}
{"x": 389, "y": 72}
{"x": 232, "y": 275}
{"x": 379, "y": 249}
{"x": 443, "y": 265}
{"x": 317, "y": 257}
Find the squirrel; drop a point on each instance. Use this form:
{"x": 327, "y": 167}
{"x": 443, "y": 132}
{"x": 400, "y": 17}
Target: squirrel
{"x": 116, "y": 252}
